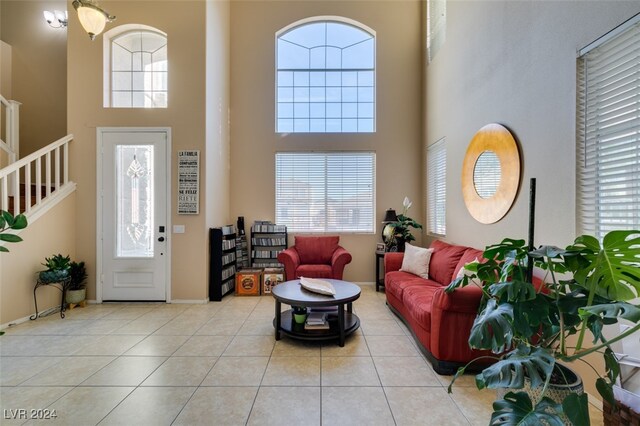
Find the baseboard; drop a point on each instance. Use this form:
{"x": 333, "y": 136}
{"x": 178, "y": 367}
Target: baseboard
{"x": 594, "y": 401}
{"x": 15, "y": 322}
{"x": 190, "y": 301}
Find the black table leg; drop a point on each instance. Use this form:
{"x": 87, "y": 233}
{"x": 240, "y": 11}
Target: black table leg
{"x": 341, "y": 324}
{"x": 278, "y": 315}
{"x": 350, "y": 307}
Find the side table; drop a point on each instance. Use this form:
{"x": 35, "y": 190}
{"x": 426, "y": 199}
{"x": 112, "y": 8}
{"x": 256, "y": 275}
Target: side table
{"x": 63, "y": 286}
{"x": 379, "y": 281}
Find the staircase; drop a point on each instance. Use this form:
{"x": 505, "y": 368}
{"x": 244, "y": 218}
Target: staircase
{"x": 32, "y": 181}
{"x": 23, "y": 197}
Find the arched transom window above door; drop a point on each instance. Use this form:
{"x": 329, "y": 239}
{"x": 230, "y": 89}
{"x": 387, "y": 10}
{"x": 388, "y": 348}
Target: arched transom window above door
{"x": 137, "y": 74}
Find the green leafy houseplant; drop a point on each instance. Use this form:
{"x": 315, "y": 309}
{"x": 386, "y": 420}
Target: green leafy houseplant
{"x": 57, "y": 268}
{"x": 586, "y": 286}
{"x": 399, "y": 232}
{"x": 8, "y": 221}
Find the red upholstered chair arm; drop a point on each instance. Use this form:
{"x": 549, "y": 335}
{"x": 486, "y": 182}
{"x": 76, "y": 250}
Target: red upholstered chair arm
{"x": 465, "y": 299}
{"x": 392, "y": 262}
{"x": 339, "y": 260}
{"x": 291, "y": 260}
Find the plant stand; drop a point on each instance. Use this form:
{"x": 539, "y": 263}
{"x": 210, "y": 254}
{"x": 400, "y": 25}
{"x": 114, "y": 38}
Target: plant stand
{"x": 63, "y": 286}
{"x": 74, "y": 305}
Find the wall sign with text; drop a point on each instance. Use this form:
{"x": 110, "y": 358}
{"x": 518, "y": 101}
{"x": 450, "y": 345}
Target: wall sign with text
{"x": 188, "y": 182}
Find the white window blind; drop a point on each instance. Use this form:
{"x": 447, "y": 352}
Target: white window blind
{"x": 326, "y": 192}
{"x": 608, "y": 135}
{"x": 437, "y": 188}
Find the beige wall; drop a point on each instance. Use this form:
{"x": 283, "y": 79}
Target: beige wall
{"x": 39, "y": 69}
{"x": 53, "y": 233}
{"x": 515, "y": 63}
{"x": 397, "y": 141}
{"x": 184, "y": 23}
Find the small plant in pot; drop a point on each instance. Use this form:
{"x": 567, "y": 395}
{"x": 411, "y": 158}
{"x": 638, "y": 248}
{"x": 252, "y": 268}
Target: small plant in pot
{"x": 57, "y": 269}
{"x": 76, "y": 293}
{"x": 299, "y": 314}
{"x": 530, "y": 327}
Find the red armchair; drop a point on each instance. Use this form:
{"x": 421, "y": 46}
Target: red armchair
{"x": 315, "y": 257}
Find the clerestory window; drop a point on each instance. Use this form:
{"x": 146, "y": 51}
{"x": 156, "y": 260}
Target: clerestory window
{"x": 325, "y": 79}
{"x": 138, "y": 71}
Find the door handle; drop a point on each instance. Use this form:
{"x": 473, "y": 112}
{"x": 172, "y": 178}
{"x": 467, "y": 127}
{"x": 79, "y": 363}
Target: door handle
{"x": 161, "y": 239}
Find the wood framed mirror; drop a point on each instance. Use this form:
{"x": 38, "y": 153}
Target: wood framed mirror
{"x": 490, "y": 173}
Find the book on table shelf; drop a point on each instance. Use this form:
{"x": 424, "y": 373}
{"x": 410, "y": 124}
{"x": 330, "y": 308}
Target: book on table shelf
{"x": 316, "y": 321}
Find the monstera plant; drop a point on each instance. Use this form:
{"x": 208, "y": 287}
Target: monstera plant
{"x": 531, "y": 326}
{"x": 8, "y": 221}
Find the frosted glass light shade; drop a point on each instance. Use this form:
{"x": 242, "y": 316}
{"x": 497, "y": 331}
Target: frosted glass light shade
{"x": 92, "y": 18}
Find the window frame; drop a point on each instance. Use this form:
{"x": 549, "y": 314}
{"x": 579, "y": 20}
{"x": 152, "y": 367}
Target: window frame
{"x": 436, "y": 225}
{"x": 320, "y": 19}
{"x": 326, "y": 229}
{"x": 107, "y": 41}
{"x": 597, "y": 147}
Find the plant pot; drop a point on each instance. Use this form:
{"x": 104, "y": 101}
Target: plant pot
{"x": 75, "y": 296}
{"x": 53, "y": 276}
{"x": 299, "y": 315}
{"x": 557, "y": 392}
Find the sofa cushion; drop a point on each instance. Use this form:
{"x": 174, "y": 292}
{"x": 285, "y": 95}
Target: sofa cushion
{"x": 314, "y": 271}
{"x": 444, "y": 259}
{"x": 417, "y": 300}
{"x": 396, "y": 282}
{"x": 316, "y": 250}
{"x": 416, "y": 261}
{"x": 468, "y": 256}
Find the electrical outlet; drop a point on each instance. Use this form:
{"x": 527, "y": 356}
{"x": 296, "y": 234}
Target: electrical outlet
{"x": 178, "y": 229}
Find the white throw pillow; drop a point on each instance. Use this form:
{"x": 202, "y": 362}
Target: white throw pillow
{"x": 464, "y": 271}
{"x": 416, "y": 260}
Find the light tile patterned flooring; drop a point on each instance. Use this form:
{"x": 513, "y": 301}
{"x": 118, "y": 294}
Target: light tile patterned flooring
{"x": 219, "y": 364}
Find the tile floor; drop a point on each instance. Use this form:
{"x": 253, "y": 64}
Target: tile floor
{"x": 219, "y": 364}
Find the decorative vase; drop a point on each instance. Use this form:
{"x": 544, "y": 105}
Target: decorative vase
{"x": 557, "y": 392}
{"x": 53, "y": 276}
{"x": 75, "y": 296}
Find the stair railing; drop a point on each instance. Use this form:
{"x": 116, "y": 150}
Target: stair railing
{"x": 46, "y": 169}
{"x": 11, "y": 142}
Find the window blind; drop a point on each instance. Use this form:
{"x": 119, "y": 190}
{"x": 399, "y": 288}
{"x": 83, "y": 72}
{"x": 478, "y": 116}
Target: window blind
{"x": 326, "y": 192}
{"x": 437, "y": 188}
{"x": 608, "y": 135}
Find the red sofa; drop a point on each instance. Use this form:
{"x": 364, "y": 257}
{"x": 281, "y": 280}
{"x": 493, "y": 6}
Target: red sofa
{"x": 440, "y": 322}
{"x": 315, "y": 257}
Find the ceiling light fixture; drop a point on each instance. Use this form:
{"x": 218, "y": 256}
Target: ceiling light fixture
{"x": 92, "y": 18}
{"x": 56, "y": 19}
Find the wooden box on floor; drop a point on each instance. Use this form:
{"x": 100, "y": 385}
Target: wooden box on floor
{"x": 271, "y": 277}
{"x": 248, "y": 282}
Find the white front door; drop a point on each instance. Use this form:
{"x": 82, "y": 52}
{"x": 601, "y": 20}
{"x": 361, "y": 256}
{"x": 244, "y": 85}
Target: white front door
{"x": 133, "y": 227}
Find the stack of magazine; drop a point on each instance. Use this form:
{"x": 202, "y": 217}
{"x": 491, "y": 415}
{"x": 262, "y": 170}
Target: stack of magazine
{"x": 316, "y": 321}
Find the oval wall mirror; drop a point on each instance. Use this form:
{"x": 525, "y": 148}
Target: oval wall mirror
{"x": 491, "y": 173}
{"x": 487, "y": 174}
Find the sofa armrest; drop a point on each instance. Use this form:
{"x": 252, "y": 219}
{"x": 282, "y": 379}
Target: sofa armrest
{"x": 393, "y": 261}
{"x": 464, "y": 299}
{"x": 291, "y": 260}
{"x": 339, "y": 260}
{"x": 452, "y": 316}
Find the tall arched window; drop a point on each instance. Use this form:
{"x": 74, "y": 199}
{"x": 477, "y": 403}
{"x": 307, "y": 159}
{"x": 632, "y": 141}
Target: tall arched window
{"x": 137, "y": 74}
{"x": 325, "y": 79}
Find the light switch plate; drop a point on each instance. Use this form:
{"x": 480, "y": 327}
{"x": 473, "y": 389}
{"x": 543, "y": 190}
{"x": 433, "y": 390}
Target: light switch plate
{"x": 178, "y": 229}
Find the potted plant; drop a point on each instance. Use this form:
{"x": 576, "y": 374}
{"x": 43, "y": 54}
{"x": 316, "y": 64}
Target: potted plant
{"x": 531, "y": 327}
{"x": 57, "y": 269}
{"x": 8, "y": 221}
{"x": 398, "y": 233}
{"x": 299, "y": 314}
{"x": 76, "y": 293}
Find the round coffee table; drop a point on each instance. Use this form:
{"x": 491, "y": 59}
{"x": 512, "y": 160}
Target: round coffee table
{"x": 292, "y": 293}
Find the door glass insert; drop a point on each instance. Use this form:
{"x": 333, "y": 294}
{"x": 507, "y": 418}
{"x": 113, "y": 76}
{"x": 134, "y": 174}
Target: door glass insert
{"x": 134, "y": 200}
